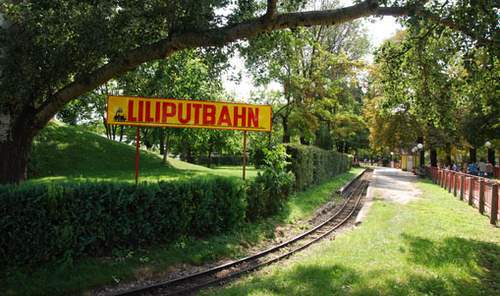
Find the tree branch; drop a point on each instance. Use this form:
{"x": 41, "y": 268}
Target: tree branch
{"x": 214, "y": 37}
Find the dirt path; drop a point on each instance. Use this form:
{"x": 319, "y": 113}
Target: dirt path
{"x": 391, "y": 185}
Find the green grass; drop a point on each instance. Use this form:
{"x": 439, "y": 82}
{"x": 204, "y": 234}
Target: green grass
{"x": 435, "y": 245}
{"x": 68, "y": 153}
{"x": 68, "y": 277}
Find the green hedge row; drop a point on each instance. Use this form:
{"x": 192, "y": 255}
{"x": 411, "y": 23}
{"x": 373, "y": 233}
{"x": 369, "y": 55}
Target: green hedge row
{"x": 312, "y": 165}
{"x": 45, "y": 222}
{"x": 52, "y": 221}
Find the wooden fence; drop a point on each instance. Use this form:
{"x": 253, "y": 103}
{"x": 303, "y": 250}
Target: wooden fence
{"x": 480, "y": 193}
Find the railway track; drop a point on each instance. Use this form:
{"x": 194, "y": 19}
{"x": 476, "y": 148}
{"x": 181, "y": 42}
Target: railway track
{"x": 225, "y": 272}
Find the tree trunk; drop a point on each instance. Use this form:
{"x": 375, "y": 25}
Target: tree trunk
{"x": 106, "y": 128}
{"x": 472, "y": 154}
{"x": 433, "y": 157}
{"x": 165, "y": 149}
{"x": 422, "y": 152}
{"x": 491, "y": 156}
{"x": 303, "y": 141}
{"x": 209, "y": 157}
{"x": 286, "y": 130}
{"x": 121, "y": 133}
{"x": 162, "y": 141}
{"x": 448, "y": 155}
{"x": 15, "y": 148}
{"x": 113, "y": 132}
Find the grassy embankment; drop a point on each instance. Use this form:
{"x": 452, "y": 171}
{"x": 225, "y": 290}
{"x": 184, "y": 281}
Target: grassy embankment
{"x": 435, "y": 245}
{"x": 67, "y": 153}
{"x": 65, "y": 144}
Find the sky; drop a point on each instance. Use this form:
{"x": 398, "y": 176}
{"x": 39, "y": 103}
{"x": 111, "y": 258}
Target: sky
{"x": 379, "y": 29}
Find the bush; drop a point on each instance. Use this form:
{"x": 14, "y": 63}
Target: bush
{"x": 312, "y": 165}
{"x": 269, "y": 191}
{"x": 44, "y": 222}
{"x": 257, "y": 157}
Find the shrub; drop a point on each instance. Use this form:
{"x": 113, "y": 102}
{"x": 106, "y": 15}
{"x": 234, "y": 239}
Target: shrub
{"x": 269, "y": 191}
{"x": 44, "y": 222}
{"x": 312, "y": 165}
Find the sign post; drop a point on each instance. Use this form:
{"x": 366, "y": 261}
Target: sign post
{"x": 158, "y": 112}
{"x": 244, "y": 153}
{"x": 137, "y": 154}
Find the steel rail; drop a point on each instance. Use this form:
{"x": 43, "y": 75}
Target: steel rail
{"x": 214, "y": 270}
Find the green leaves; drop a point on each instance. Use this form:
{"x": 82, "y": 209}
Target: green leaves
{"x": 44, "y": 222}
{"x": 269, "y": 191}
{"x": 312, "y": 165}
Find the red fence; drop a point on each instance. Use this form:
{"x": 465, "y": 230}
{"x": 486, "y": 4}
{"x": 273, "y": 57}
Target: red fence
{"x": 479, "y": 192}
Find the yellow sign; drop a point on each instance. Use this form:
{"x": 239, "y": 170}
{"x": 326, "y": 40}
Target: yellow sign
{"x": 155, "y": 112}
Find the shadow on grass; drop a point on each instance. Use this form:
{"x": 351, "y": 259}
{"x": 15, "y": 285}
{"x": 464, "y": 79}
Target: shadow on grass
{"x": 454, "y": 266}
{"x": 481, "y": 259}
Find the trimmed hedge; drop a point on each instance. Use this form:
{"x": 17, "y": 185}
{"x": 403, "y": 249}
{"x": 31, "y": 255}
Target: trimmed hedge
{"x": 312, "y": 165}
{"x": 45, "y": 222}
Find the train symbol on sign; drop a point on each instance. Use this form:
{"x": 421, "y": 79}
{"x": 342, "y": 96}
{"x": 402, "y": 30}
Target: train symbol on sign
{"x": 119, "y": 115}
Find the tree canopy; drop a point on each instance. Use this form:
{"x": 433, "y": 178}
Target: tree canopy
{"x": 52, "y": 52}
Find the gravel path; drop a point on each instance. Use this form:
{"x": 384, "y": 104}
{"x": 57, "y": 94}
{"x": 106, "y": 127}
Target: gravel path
{"x": 391, "y": 185}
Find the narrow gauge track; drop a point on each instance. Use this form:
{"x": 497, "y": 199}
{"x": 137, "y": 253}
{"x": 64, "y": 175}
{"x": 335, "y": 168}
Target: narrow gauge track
{"x": 222, "y": 273}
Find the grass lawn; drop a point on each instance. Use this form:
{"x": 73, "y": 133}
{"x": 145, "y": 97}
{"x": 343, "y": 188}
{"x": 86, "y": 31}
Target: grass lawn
{"x": 68, "y": 153}
{"x": 74, "y": 277}
{"x": 435, "y": 245}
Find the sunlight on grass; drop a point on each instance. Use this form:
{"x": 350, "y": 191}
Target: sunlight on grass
{"x": 435, "y": 245}
{"x": 65, "y": 153}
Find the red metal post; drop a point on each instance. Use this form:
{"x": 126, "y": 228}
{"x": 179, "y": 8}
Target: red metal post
{"x": 481, "y": 196}
{"x": 244, "y": 153}
{"x": 471, "y": 191}
{"x": 137, "y": 144}
{"x": 450, "y": 181}
{"x": 455, "y": 183}
{"x": 462, "y": 186}
{"x": 494, "y": 203}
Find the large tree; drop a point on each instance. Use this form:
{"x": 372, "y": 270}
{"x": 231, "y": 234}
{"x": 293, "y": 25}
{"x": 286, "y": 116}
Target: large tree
{"x": 430, "y": 83}
{"x": 54, "y": 51}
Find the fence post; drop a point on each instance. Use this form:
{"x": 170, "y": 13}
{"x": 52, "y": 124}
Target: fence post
{"x": 494, "y": 203}
{"x": 481, "y": 196}
{"x": 462, "y": 185}
{"x": 445, "y": 179}
{"x": 471, "y": 190}
{"x": 455, "y": 182}
{"x": 450, "y": 178}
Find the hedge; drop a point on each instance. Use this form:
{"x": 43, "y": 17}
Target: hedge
{"x": 312, "y": 165}
{"x": 45, "y": 222}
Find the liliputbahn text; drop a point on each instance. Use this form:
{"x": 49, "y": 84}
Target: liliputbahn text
{"x": 138, "y": 111}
